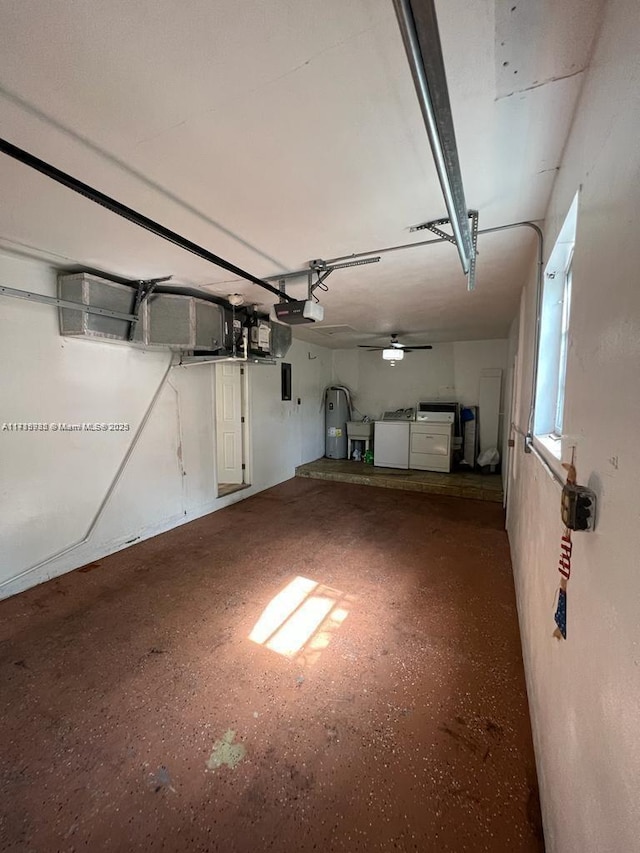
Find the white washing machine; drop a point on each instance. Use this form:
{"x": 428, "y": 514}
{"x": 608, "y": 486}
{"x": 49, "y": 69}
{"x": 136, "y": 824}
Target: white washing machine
{"x": 391, "y": 439}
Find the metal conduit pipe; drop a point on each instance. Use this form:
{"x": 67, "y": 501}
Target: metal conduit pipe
{"x": 528, "y": 441}
{"x": 131, "y": 215}
{"x": 427, "y": 69}
{"x": 108, "y": 493}
{"x": 430, "y": 242}
{"x": 228, "y": 359}
{"x": 538, "y": 300}
{"x": 534, "y": 450}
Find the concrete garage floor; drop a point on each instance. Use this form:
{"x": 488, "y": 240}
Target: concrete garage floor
{"x": 463, "y": 484}
{"x": 324, "y": 666}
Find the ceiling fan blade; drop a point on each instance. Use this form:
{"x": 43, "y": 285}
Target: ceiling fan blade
{"x": 395, "y": 344}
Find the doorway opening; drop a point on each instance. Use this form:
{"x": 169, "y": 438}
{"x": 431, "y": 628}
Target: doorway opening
{"x": 231, "y": 403}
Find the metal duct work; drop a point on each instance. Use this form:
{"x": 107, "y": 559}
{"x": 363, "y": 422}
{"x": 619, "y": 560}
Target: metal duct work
{"x": 181, "y": 322}
{"x": 281, "y": 337}
{"x": 95, "y": 292}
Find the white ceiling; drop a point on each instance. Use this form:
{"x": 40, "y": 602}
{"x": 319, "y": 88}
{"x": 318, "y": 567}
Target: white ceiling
{"x": 274, "y": 133}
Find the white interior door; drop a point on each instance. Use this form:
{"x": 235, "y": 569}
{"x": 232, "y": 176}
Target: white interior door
{"x": 229, "y": 423}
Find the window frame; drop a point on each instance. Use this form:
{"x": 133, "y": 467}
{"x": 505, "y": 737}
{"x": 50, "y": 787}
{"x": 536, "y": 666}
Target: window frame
{"x": 553, "y": 338}
{"x": 564, "y": 345}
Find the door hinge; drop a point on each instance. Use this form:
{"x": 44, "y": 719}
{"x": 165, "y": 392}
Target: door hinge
{"x": 241, "y": 420}
{"x": 242, "y": 371}
{"x": 243, "y": 466}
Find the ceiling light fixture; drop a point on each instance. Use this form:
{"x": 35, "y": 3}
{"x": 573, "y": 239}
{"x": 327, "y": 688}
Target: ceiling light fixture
{"x": 392, "y": 354}
{"x": 235, "y": 299}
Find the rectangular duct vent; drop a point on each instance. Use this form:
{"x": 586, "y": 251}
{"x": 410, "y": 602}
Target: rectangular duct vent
{"x": 182, "y": 323}
{"x": 337, "y": 331}
{"x": 97, "y": 293}
{"x": 166, "y": 320}
{"x": 281, "y": 335}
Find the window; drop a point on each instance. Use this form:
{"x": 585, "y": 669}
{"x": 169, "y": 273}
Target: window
{"x": 553, "y": 346}
{"x": 564, "y": 336}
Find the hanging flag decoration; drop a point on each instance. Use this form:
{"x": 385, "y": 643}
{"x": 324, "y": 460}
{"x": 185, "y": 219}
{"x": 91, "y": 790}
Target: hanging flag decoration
{"x": 564, "y": 567}
{"x": 560, "y": 615}
{"x": 578, "y": 513}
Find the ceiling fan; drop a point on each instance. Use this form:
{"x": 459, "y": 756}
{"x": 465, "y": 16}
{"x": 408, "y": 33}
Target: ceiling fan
{"x": 394, "y": 350}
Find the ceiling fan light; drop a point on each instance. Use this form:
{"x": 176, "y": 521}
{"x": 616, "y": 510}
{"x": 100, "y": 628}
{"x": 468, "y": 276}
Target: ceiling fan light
{"x": 392, "y": 354}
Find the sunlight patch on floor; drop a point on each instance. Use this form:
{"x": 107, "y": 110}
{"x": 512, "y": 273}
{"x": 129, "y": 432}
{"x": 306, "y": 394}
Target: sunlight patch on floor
{"x": 300, "y": 620}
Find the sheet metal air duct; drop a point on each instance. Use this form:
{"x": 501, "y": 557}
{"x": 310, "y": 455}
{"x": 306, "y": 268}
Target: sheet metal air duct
{"x": 176, "y": 318}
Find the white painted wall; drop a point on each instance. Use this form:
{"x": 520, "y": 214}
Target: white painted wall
{"x": 52, "y": 484}
{"x": 584, "y": 693}
{"x": 450, "y": 371}
{"x": 470, "y": 358}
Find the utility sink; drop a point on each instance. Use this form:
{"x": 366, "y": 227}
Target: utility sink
{"x": 359, "y": 430}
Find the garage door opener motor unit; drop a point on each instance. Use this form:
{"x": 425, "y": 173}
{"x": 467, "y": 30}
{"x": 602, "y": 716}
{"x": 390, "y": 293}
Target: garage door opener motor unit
{"x": 301, "y": 311}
